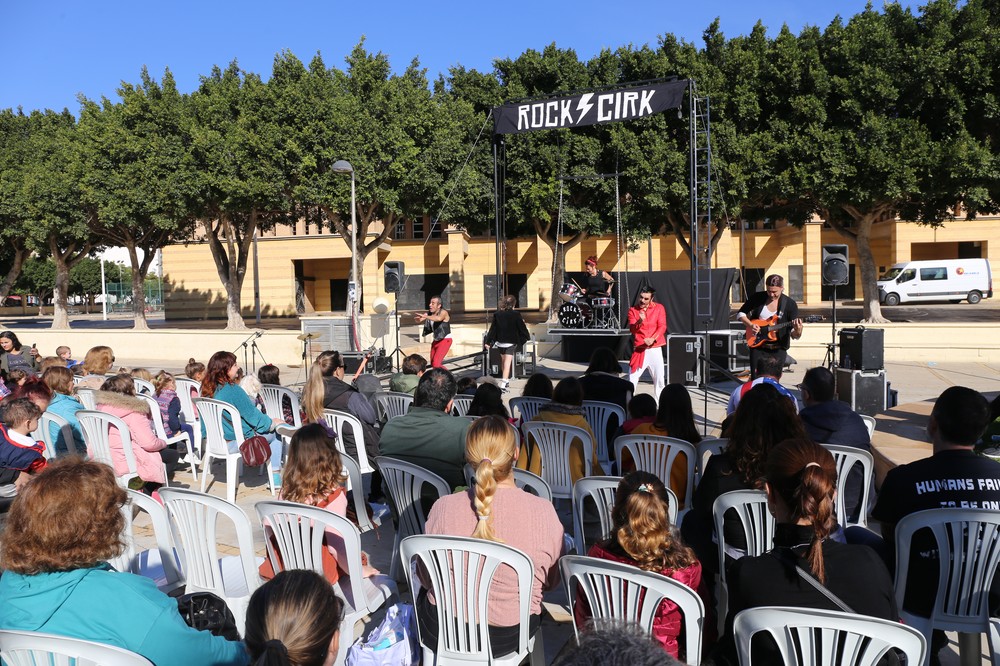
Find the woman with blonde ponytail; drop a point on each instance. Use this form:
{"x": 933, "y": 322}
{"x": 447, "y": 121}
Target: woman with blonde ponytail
{"x": 641, "y": 535}
{"x": 497, "y": 510}
{"x": 800, "y": 479}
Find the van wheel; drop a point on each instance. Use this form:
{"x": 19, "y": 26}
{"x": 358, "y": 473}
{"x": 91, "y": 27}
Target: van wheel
{"x": 892, "y": 299}
{"x": 974, "y": 297}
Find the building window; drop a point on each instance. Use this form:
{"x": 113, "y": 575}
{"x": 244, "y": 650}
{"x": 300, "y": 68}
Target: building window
{"x": 418, "y": 227}
{"x": 437, "y": 229}
{"x": 400, "y": 232}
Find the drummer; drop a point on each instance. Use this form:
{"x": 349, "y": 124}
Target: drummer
{"x": 598, "y": 283}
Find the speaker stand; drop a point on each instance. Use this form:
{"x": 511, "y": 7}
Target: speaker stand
{"x": 831, "y": 349}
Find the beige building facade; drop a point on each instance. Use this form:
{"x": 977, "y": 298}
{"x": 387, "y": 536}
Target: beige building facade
{"x": 303, "y": 271}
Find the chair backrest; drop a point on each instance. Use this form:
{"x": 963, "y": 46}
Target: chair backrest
{"x": 392, "y": 404}
{"x": 846, "y": 457}
{"x": 273, "y": 397}
{"x": 527, "y": 407}
{"x": 460, "y": 405}
{"x": 707, "y": 448}
{"x": 599, "y": 415}
{"x": 870, "y": 423}
{"x": 184, "y": 388}
{"x": 554, "y": 441}
{"x": 968, "y": 543}
{"x": 87, "y": 398}
{"x": 44, "y": 434}
{"x": 213, "y": 413}
{"x": 96, "y": 426}
{"x": 294, "y": 537}
{"x": 356, "y": 486}
{"x": 523, "y": 479}
{"x": 28, "y": 648}
{"x": 339, "y": 420}
{"x": 155, "y": 415}
{"x": 166, "y": 573}
{"x": 194, "y": 524}
{"x": 461, "y": 570}
{"x": 143, "y": 387}
{"x": 618, "y": 591}
{"x": 603, "y": 490}
{"x": 656, "y": 455}
{"x": 813, "y": 637}
{"x": 757, "y": 521}
{"x": 405, "y": 482}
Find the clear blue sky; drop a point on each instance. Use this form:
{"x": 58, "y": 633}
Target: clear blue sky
{"x": 52, "y": 51}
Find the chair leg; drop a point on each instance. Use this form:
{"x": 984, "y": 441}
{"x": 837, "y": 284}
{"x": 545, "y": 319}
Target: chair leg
{"x": 206, "y": 468}
{"x": 232, "y": 479}
{"x": 970, "y": 649}
{"x": 537, "y": 656}
{"x": 394, "y": 572}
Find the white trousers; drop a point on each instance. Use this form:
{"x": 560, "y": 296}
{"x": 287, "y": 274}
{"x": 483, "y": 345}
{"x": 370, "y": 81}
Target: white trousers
{"x": 652, "y": 359}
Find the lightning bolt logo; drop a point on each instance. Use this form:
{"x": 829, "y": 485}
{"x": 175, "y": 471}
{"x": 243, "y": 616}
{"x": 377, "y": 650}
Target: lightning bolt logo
{"x": 584, "y": 106}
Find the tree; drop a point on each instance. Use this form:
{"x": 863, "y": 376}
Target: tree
{"x": 38, "y": 278}
{"x": 14, "y": 132}
{"x": 85, "y": 279}
{"x": 139, "y": 173}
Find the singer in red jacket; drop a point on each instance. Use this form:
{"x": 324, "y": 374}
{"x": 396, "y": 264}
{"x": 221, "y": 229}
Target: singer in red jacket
{"x": 648, "y": 322}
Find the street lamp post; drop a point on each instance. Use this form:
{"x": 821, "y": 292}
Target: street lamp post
{"x": 353, "y": 285}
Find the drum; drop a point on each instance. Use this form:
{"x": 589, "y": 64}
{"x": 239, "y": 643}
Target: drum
{"x": 602, "y": 302}
{"x": 574, "y": 315}
{"x": 569, "y": 292}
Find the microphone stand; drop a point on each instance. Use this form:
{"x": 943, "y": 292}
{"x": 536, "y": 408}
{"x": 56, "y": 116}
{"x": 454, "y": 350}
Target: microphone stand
{"x": 245, "y": 345}
{"x": 255, "y": 350}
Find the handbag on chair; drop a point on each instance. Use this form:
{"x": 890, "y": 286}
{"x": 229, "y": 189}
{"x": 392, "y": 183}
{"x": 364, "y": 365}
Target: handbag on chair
{"x": 255, "y": 450}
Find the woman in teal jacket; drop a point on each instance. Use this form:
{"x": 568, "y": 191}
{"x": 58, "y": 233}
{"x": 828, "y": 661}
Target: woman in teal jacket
{"x": 220, "y": 383}
{"x": 64, "y": 404}
{"x": 57, "y": 581}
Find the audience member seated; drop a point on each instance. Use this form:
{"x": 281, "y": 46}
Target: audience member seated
{"x": 15, "y": 356}
{"x": 413, "y": 368}
{"x": 271, "y": 375}
{"x": 194, "y": 370}
{"x": 764, "y": 418}
{"x": 170, "y": 406}
{"x": 326, "y": 389}
{"x": 642, "y": 536}
{"x": 991, "y": 436}
{"x": 294, "y": 620}
{"x": 641, "y": 409}
{"x": 66, "y": 354}
{"x": 60, "y": 532}
{"x": 63, "y": 404}
{"x": 428, "y": 435}
{"x": 466, "y": 386}
{"x": 953, "y": 476}
{"x": 538, "y": 386}
{"x": 768, "y": 371}
{"x": 96, "y": 364}
{"x": 674, "y": 418}
{"x": 830, "y": 421}
{"x": 34, "y": 389}
{"x": 496, "y": 510}
{"x": 565, "y": 408}
{"x": 488, "y": 401}
{"x": 117, "y": 397}
{"x": 800, "y": 481}
{"x": 610, "y": 643}
{"x": 51, "y": 362}
{"x": 603, "y": 381}
{"x": 20, "y": 455}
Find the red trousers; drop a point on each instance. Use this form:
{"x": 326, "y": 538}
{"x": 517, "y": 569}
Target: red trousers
{"x": 439, "y": 349}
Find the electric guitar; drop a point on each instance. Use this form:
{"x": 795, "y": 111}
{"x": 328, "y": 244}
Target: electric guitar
{"x": 769, "y": 329}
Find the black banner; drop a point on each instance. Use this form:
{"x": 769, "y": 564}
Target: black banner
{"x": 592, "y": 108}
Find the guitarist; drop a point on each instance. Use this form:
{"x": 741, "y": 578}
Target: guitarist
{"x": 763, "y": 306}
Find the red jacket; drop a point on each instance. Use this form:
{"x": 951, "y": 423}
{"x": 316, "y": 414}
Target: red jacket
{"x": 654, "y": 326}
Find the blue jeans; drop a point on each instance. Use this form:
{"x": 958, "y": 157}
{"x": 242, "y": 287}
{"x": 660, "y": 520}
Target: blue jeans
{"x": 277, "y": 447}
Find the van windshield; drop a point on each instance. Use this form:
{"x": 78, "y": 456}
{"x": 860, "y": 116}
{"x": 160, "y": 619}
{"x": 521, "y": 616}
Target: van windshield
{"x": 891, "y": 274}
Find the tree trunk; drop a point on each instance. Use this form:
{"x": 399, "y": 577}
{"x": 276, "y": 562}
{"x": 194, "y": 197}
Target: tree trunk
{"x": 60, "y": 310}
{"x": 139, "y": 322}
{"x": 558, "y": 259}
{"x": 862, "y": 233}
{"x": 231, "y": 262}
{"x": 20, "y": 254}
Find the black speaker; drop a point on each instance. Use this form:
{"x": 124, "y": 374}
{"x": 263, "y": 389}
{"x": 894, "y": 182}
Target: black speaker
{"x": 862, "y": 348}
{"x": 864, "y": 391}
{"x": 377, "y": 363}
{"x": 683, "y": 362}
{"x": 729, "y": 350}
{"x": 393, "y": 276}
{"x": 835, "y": 265}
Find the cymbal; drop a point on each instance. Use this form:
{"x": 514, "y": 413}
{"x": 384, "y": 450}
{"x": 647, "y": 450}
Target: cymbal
{"x": 308, "y": 336}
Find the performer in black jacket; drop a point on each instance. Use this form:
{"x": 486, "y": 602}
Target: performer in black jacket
{"x": 764, "y": 305}
{"x": 507, "y": 333}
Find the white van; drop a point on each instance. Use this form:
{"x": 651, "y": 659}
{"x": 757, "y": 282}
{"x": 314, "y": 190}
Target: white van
{"x": 944, "y": 280}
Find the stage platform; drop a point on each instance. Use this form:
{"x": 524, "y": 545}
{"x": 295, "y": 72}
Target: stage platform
{"x": 577, "y": 344}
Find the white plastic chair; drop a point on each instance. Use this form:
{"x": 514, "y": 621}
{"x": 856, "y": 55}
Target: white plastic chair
{"x": 603, "y": 490}
{"x": 44, "y": 434}
{"x": 273, "y": 397}
{"x": 405, "y": 482}
{"x": 656, "y": 455}
{"x": 814, "y": 637}
{"x": 758, "y": 528}
{"x": 870, "y": 423}
{"x": 599, "y": 415}
{"x": 87, "y": 397}
{"x": 294, "y": 535}
{"x": 28, "y": 648}
{"x": 968, "y": 544}
{"x": 190, "y": 414}
{"x": 622, "y": 592}
{"x": 554, "y": 441}
{"x": 392, "y": 404}
{"x": 527, "y": 407}
{"x": 461, "y": 571}
{"x": 143, "y": 387}
{"x": 194, "y": 522}
{"x": 158, "y": 564}
{"x": 161, "y": 431}
{"x": 96, "y": 427}
{"x": 355, "y": 486}
{"x": 707, "y": 448}
{"x": 212, "y": 412}
{"x": 460, "y": 405}
{"x": 339, "y": 420}
{"x": 846, "y": 457}
{"x": 523, "y": 479}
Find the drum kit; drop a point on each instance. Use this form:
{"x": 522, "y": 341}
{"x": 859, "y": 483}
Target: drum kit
{"x": 579, "y": 311}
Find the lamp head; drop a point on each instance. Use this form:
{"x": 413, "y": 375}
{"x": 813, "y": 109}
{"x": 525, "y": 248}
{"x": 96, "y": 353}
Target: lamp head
{"x": 342, "y": 166}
